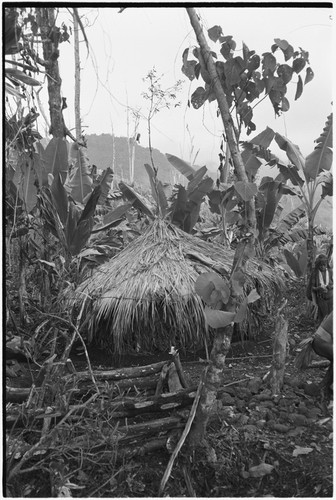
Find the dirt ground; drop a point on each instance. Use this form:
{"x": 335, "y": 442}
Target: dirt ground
{"x": 261, "y": 446}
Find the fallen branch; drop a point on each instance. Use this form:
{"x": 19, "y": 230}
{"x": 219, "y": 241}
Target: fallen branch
{"x": 120, "y": 373}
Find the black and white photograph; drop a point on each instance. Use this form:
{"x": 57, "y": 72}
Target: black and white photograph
{"x": 167, "y": 249}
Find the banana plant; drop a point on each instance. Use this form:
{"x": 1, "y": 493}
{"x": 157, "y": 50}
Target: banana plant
{"x": 186, "y": 202}
{"x": 183, "y": 207}
{"x": 307, "y": 175}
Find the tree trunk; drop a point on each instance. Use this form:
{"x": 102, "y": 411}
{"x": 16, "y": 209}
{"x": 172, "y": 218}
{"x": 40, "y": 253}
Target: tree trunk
{"x": 310, "y": 246}
{"x": 212, "y": 383}
{"x": 279, "y": 352}
{"x": 50, "y": 40}
{"x": 77, "y": 80}
{"x": 224, "y": 110}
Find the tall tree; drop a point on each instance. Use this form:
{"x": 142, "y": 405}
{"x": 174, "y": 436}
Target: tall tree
{"x": 51, "y": 37}
{"x": 78, "y": 124}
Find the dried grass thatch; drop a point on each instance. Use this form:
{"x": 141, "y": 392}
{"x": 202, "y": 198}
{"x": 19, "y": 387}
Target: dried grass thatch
{"x": 145, "y": 295}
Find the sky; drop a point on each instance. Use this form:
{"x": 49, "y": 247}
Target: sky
{"x": 125, "y": 46}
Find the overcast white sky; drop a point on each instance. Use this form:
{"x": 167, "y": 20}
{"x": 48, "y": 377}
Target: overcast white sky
{"x": 125, "y": 46}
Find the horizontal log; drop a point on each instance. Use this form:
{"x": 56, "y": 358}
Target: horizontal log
{"x": 162, "y": 403}
{"x": 120, "y": 373}
{"x": 122, "y": 407}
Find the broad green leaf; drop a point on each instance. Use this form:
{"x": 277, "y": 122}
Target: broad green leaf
{"x": 105, "y": 184}
{"x": 320, "y": 159}
{"x": 290, "y": 172}
{"x": 214, "y": 33}
{"x": 253, "y": 64}
{"x": 40, "y": 170}
{"x": 282, "y": 44}
{"x": 60, "y": 199}
{"x": 157, "y": 189}
{"x": 293, "y": 152}
{"x": 327, "y": 185}
{"x": 269, "y": 62}
{"x": 189, "y": 69}
{"x": 247, "y": 190}
{"x": 227, "y": 47}
{"x": 309, "y": 75}
{"x": 322, "y": 156}
{"x": 272, "y": 194}
{"x": 182, "y": 166}
{"x": 135, "y": 199}
{"x": 285, "y": 104}
{"x": 70, "y": 229}
{"x": 238, "y": 279}
{"x": 112, "y": 218}
{"x": 218, "y": 319}
{"x": 285, "y": 72}
{"x": 198, "y": 97}
{"x": 293, "y": 217}
{"x": 177, "y": 209}
{"x": 22, "y": 77}
{"x": 198, "y": 176}
{"x": 253, "y": 296}
{"x": 263, "y": 139}
{"x": 298, "y": 64}
{"x": 12, "y": 91}
{"x": 233, "y": 70}
{"x": 207, "y": 283}
{"x": 293, "y": 263}
{"x": 299, "y": 89}
{"x": 24, "y": 179}
{"x": 80, "y": 236}
{"x": 90, "y": 206}
{"x": 80, "y": 182}
{"x": 241, "y": 314}
{"x": 202, "y": 189}
{"x": 56, "y": 158}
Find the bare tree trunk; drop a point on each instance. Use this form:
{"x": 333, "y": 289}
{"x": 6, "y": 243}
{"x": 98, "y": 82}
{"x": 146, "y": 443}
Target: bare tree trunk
{"x": 212, "y": 383}
{"x": 50, "y": 39}
{"x": 224, "y": 110}
{"x": 279, "y": 352}
{"x": 77, "y": 80}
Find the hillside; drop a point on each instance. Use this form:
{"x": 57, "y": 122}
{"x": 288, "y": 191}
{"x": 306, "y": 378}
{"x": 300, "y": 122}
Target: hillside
{"x": 100, "y": 151}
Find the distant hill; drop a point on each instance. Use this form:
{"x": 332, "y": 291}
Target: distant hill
{"x": 100, "y": 149}
{"x": 100, "y": 152}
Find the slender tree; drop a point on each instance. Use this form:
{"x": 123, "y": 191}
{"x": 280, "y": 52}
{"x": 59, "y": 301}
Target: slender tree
{"x": 78, "y": 124}
{"x": 51, "y": 37}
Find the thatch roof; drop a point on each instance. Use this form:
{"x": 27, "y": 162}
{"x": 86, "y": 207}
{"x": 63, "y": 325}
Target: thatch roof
{"x": 145, "y": 295}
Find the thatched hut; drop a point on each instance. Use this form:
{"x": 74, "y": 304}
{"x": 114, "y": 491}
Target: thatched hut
{"x": 145, "y": 295}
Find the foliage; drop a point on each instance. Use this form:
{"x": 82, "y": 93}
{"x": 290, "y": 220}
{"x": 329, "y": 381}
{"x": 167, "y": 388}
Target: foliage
{"x": 186, "y": 202}
{"x": 306, "y": 176}
{"x": 248, "y": 78}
